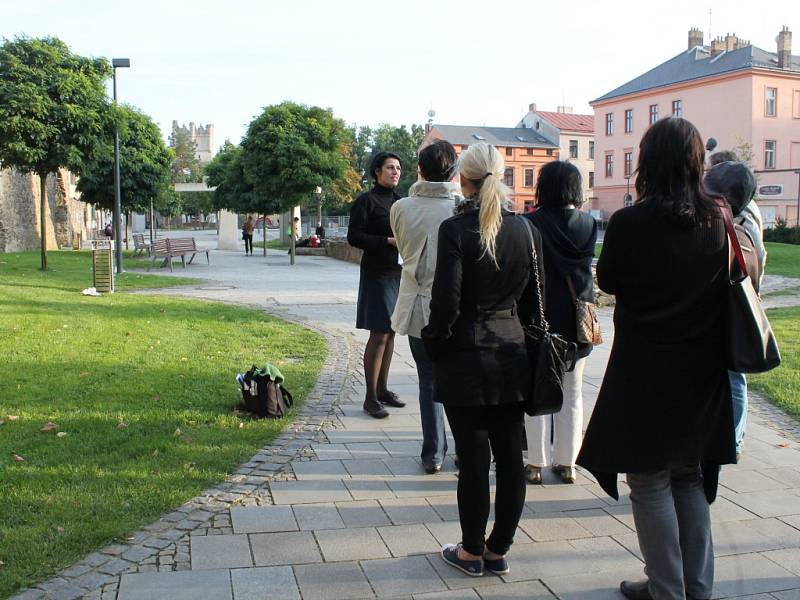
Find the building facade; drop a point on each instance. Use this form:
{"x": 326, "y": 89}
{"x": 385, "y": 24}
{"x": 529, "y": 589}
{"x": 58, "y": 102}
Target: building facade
{"x": 525, "y": 151}
{"x": 574, "y": 135}
{"x": 202, "y": 136}
{"x": 746, "y": 98}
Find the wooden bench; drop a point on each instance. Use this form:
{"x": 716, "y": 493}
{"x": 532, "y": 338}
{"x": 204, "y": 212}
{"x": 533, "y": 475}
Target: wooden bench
{"x": 170, "y": 248}
{"x": 140, "y": 246}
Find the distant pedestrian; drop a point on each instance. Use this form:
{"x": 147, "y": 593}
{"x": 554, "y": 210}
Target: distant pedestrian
{"x": 320, "y": 231}
{"x": 735, "y": 182}
{"x": 568, "y": 238}
{"x": 379, "y": 283}
{"x": 415, "y": 222}
{"x": 247, "y": 235}
{"x": 482, "y": 295}
{"x": 664, "y": 414}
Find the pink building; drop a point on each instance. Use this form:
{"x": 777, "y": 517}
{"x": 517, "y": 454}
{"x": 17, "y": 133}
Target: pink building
{"x": 746, "y": 98}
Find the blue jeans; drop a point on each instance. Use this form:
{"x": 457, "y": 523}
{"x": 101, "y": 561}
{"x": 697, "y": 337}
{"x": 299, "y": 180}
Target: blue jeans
{"x": 739, "y": 396}
{"x": 434, "y": 439}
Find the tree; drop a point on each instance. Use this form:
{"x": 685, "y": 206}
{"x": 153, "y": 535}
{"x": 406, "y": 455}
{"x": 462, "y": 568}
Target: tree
{"x": 290, "y": 150}
{"x": 233, "y": 190}
{"x": 53, "y": 111}
{"x": 186, "y": 167}
{"x": 144, "y": 164}
{"x": 386, "y": 138}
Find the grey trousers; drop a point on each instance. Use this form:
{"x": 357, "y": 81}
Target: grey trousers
{"x": 673, "y": 523}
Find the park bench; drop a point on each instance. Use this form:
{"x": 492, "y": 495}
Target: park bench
{"x": 170, "y": 248}
{"x": 140, "y": 246}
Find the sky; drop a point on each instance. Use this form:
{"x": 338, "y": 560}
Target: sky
{"x": 373, "y": 62}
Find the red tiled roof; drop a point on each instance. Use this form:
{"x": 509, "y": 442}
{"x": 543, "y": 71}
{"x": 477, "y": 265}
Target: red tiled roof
{"x": 569, "y": 121}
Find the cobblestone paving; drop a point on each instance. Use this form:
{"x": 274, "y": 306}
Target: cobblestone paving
{"x": 338, "y": 505}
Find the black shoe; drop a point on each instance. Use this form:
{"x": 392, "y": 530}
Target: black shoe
{"x": 374, "y": 409}
{"x": 391, "y": 399}
{"x": 432, "y": 468}
{"x": 635, "y": 590}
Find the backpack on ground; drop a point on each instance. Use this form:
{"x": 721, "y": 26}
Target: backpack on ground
{"x": 263, "y": 392}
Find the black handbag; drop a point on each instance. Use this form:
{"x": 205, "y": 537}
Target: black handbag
{"x": 750, "y": 344}
{"x": 549, "y": 354}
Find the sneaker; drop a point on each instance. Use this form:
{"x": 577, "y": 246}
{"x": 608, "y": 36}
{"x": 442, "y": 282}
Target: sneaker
{"x": 473, "y": 568}
{"x": 498, "y": 566}
{"x": 374, "y": 409}
{"x": 533, "y": 474}
{"x": 567, "y": 474}
{"x": 391, "y": 399}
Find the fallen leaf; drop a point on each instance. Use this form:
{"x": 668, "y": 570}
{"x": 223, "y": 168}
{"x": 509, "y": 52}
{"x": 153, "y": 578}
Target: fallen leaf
{"x": 49, "y": 426}
{"x": 184, "y": 359}
{"x": 121, "y": 424}
{"x": 178, "y": 431}
{"x": 60, "y": 529}
{"x": 61, "y": 434}
{"x": 241, "y": 425}
{"x": 12, "y": 417}
{"x": 18, "y": 458}
{"x": 84, "y": 374}
{"x": 156, "y": 398}
{"x": 128, "y": 333}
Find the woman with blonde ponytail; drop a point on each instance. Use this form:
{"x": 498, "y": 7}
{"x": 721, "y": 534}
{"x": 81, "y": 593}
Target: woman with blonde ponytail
{"x": 482, "y": 296}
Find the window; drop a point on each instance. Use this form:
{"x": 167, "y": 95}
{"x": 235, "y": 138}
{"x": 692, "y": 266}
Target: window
{"x": 610, "y": 165}
{"x": 528, "y": 177}
{"x": 573, "y": 148}
{"x": 549, "y": 152}
{"x": 591, "y": 179}
{"x": 628, "y": 164}
{"x": 609, "y": 123}
{"x": 770, "y": 102}
{"x": 796, "y": 104}
{"x": 509, "y": 151}
{"x": 508, "y": 177}
{"x": 653, "y": 113}
{"x": 629, "y": 120}
{"x": 529, "y": 151}
{"x": 677, "y": 108}
{"x": 769, "y": 154}
{"x": 529, "y": 205}
{"x": 591, "y": 149}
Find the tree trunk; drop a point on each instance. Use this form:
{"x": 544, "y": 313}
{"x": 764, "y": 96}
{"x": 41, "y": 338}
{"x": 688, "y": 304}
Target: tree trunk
{"x": 42, "y": 217}
{"x": 127, "y": 233}
{"x": 264, "y": 229}
{"x": 152, "y": 225}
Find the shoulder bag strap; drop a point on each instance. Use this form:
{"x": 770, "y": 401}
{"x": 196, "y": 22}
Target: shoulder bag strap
{"x": 732, "y": 239}
{"x": 535, "y": 271}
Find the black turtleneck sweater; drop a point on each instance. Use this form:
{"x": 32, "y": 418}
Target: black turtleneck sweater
{"x": 370, "y": 228}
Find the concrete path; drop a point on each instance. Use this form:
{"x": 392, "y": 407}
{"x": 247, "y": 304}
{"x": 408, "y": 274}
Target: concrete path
{"x": 349, "y": 513}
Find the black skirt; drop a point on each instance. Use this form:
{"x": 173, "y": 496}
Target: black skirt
{"x": 377, "y": 295}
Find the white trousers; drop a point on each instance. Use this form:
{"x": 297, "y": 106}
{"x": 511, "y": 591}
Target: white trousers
{"x": 568, "y": 426}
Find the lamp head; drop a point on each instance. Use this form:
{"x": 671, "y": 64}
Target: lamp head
{"x": 120, "y": 62}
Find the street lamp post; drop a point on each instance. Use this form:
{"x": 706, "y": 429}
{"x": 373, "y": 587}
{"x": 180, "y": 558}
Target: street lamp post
{"x": 117, "y": 63}
{"x": 628, "y": 199}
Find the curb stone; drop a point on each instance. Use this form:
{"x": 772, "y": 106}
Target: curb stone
{"x": 164, "y": 544}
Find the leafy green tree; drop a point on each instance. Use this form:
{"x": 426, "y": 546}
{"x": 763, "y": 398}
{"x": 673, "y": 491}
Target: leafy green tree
{"x": 144, "y": 164}
{"x": 53, "y": 111}
{"x": 233, "y": 190}
{"x": 404, "y": 142}
{"x": 186, "y": 167}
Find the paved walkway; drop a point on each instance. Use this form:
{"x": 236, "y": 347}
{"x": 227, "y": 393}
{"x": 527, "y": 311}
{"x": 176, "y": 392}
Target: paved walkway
{"x": 339, "y": 507}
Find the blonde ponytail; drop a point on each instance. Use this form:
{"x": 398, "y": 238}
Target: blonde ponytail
{"x": 483, "y": 164}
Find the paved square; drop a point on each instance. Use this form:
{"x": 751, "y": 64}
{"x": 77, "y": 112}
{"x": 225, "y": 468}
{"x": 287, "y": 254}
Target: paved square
{"x": 402, "y": 576}
{"x": 181, "y": 585}
{"x": 351, "y": 544}
{"x": 262, "y": 519}
{"x": 220, "y": 552}
{"x": 334, "y": 581}
{"x": 292, "y": 548}
{"x": 264, "y": 583}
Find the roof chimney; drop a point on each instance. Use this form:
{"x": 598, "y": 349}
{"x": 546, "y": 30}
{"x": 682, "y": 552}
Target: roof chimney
{"x": 564, "y": 109}
{"x": 717, "y": 46}
{"x": 732, "y": 42}
{"x": 785, "y": 48}
{"x": 532, "y": 106}
{"x": 695, "y": 37}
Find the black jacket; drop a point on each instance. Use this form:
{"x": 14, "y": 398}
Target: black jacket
{"x": 568, "y": 239}
{"x": 474, "y": 335}
{"x": 665, "y": 399}
{"x": 369, "y": 229}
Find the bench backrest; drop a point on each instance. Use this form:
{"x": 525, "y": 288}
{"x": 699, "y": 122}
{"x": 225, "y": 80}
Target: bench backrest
{"x": 181, "y": 245}
{"x": 160, "y": 248}
{"x": 138, "y": 240}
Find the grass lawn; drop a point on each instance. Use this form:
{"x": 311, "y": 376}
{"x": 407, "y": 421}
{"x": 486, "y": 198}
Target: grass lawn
{"x": 783, "y": 259}
{"x": 782, "y": 385}
{"x": 141, "y": 390}
{"x": 275, "y": 244}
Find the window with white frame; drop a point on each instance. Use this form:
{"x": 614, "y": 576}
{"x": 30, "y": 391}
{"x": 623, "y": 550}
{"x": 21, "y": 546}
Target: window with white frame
{"x": 628, "y": 163}
{"x": 610, "y": 164}
{"x": 629, "y": 120}
{"x": 653, "y": 113}
{"x": 609, "y": 123}
{"x": 591, "y": 149}
{"x": 508, "y": 177}
{"x": 769, "y": 154}
{"x": 771, "y": 102}
{"x": 528, "y": 177}
{"x": 677, "y": 108}
{"x": 573, "y": 148}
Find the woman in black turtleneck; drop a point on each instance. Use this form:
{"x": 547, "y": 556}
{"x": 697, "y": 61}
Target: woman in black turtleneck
{"x": 380, "y": 279}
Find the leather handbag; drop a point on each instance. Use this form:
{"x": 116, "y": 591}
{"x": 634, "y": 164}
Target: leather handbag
{"x": 549, "y": 354}
{"x": 750, "y": 344}
{"x": 586, "y": 322}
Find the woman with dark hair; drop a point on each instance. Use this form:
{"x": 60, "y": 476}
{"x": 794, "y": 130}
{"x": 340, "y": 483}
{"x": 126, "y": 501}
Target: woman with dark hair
{"x": 379, "y": 283}
{"x": 415, "y": 222}
{"x": 664, "y": 415}
{"x": 568, "y": 238}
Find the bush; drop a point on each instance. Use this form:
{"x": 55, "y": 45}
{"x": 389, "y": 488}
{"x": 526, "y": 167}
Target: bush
{"x": 782, "y": 233}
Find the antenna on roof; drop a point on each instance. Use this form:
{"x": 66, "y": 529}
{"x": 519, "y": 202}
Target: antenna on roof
{"x": 710, "y": 36}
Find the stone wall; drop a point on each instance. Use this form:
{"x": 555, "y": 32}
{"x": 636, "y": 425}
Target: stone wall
{"x": 19, "y": 211}
{"x": 339, "y": 248}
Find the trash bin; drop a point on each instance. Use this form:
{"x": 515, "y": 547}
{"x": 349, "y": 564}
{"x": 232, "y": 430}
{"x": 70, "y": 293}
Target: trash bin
{"x": 103, "y": 266}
